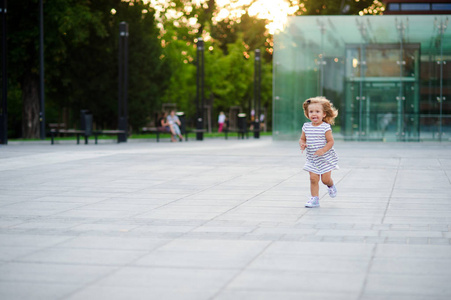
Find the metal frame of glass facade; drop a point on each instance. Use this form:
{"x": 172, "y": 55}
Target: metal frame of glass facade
{"x": 389, "y": 76}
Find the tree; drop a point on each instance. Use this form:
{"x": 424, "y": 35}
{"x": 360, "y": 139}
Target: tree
{"x": 229, "y": 48}
{"x": 233, "y": 75}
{"x": 149, "y": 68}
{"x": 337, "y": 7}
{"x": 64, "y": 18}
{"x": 81, "y": 39}
{"x": 180, "y": 51}
{"x": 93, "y": 67}
{"x": 251, "y": 29}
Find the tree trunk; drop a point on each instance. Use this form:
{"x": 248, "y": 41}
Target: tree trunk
{"x": 30, "y": 111}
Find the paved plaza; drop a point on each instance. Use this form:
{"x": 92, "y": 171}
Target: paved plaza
{"x": 224, "y": 220}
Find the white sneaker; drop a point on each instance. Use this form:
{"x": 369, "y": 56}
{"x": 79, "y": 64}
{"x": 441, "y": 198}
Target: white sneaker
{"x": 332, "y": 191}
{"x": 313, "y": 202}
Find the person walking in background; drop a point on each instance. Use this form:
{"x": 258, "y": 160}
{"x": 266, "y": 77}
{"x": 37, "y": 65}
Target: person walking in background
{"x": 262, "y": 122}
{"x": 221, "y": 121}
{"x": 318, "y": 140}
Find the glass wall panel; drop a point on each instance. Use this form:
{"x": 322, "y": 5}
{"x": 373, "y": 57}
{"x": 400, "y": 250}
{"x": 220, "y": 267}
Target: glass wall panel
{"x": 387, "y": 75}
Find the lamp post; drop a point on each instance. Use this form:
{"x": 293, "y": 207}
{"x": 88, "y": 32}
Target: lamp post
{"x": 123, "y": 81}
{"x": 441, "y": 28}
{"x": 257, "y": 83}
{"x": 200, "y": 89}
{"x": 41, "y": 71}
{"x": 4, "y": 106}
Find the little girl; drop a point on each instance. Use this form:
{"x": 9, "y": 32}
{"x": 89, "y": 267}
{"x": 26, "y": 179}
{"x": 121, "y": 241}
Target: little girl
{"x": 318, "y": 140}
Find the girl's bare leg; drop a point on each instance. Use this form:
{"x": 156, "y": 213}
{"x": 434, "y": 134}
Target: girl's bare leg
{"x": 326, "y": 178}
{"x": 314, "y": 184}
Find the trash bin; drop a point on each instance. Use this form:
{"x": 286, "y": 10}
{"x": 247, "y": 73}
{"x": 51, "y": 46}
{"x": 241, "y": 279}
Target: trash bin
{"x": 86, "y": 123}
{"x": 242, "y": 125}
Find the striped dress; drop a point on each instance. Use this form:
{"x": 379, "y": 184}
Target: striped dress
{"x": 316, "y": 139}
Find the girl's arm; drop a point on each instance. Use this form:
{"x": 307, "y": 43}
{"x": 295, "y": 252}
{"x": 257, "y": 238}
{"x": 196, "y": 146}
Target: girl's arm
{"x": 329, "y": 144}
{"x": 303, "y": 142}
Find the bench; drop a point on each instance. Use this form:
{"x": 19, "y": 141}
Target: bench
{"x": 54, "y": 132}
{"x": 57, "y": 126}
{"x": 155, "y": 130}
{"x": 78, "y": 133}
{"x": 161, "y": 130}
{"x": 108, "y": 132}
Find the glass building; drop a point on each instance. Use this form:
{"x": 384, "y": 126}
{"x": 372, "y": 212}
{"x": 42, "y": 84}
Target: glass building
{"x": 389, "y": 76}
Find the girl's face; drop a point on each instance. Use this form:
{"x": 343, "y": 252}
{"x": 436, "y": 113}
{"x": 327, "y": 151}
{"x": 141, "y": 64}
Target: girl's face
{"x": 316, "y": 113}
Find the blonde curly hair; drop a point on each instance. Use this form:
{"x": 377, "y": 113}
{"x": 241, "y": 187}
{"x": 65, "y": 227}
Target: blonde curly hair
{"x": 328, "y": 108}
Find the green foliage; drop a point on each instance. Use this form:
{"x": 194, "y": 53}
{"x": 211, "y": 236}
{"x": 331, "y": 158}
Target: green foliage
{"x": 149, "y": 71}
{"x": 232, "y": 77}
{"x": 334, "y": 7}
{"x": 266, "y": 90}
{"x": 250, "y": 29}
{"x": 229, "y": 63}
{"x": 81, "y": 59}
{"x": 14, "y": 110}
{"x": 93, "y": 68}
{"x": 66, "y": 23}
{"x": 88, "y": 73}
{"x": 180, "y": 53}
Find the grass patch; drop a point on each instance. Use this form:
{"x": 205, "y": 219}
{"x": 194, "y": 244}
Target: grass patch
{"x": 193, "y": 135}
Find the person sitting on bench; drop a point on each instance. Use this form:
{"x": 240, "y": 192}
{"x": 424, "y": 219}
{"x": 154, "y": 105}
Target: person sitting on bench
{"x": 174, "y": 123}
{"x": 165, "y": 126}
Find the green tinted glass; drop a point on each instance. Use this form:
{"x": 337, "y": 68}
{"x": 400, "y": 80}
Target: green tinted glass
{"x": 389, "y": 76}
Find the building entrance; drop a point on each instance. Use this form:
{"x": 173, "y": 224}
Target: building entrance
{"x": 377, "y": 112}
{"x": 382, "y": 94}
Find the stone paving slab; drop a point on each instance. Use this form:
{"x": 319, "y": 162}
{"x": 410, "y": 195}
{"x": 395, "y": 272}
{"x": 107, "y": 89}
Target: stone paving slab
{"x": 223, "y": 220}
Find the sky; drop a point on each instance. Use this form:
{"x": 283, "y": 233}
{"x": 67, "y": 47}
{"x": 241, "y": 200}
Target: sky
{"x": 276, "y": 11}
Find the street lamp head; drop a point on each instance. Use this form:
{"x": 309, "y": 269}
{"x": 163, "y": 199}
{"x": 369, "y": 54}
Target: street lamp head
{"x": 200, "y": 44}
{"x": 123, "y": 29}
